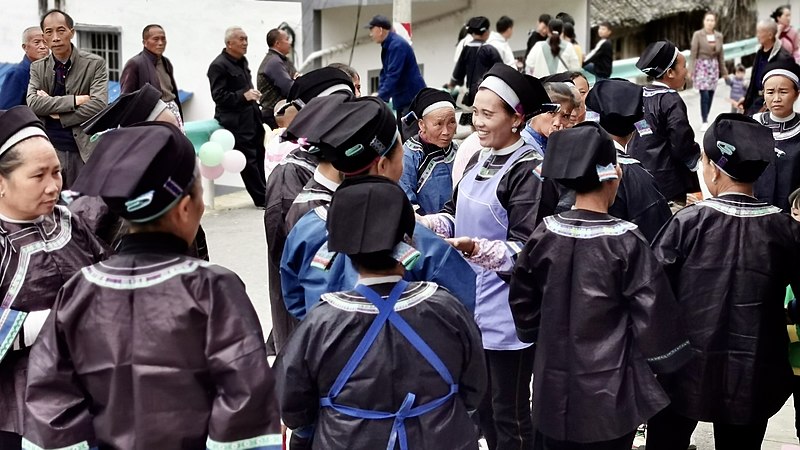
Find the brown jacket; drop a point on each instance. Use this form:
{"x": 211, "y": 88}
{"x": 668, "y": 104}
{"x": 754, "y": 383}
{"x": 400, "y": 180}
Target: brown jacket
{"x": 87, "y": 76}
{"x": 701, "y": 49}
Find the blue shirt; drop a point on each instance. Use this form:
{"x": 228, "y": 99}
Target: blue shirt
{"x": 303, "y": 283}
{"x": 400, "y": 79}
{"x": 532, "y": 137}
{"x": 15, "y": 85}
{"x": 427, "y": 174}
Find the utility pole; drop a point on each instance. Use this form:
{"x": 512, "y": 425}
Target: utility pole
{"x": 401, "y": 12}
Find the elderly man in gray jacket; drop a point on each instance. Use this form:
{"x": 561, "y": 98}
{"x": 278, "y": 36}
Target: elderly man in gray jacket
{"x": 65, "y": 90}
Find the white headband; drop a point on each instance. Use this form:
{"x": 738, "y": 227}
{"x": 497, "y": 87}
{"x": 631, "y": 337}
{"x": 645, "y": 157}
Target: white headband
{"x": 438, "y": 105}
{"x": 502, "y": 89}
{"x": 335, "y": 88}
{"x": 782, "y": 72}
{"x": 671, "y": 62}
{"x": 20, "y": 136}
{"x": 158, "y": 109}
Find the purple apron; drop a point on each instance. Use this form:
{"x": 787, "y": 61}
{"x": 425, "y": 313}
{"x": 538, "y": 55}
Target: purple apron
{"x": 480, "y": 214}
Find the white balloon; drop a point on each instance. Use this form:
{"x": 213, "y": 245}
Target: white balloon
{"x": 224, "y": 138}
{"x": 234, "y": 161}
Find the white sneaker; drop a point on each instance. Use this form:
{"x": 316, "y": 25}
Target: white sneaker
{"x": 704, "y": 127}
{"x": 640, "y": 439}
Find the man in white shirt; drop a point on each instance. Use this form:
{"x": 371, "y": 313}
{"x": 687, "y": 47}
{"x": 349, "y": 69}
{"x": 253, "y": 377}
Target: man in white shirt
{"x": 499, "y": 40}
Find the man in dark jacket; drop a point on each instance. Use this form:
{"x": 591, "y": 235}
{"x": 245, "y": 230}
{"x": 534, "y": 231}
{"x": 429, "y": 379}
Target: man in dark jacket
{"x": 599, "y": 61}
{"x": 753, "y": 100}
{"x": 237, "y": 109}
{"x": 276, "y": 74}
{"x": 151, "y": 66}
{"x": 476, "y": 58}
{"x": 15, "y": 84}
{"x": 400, "y": 78}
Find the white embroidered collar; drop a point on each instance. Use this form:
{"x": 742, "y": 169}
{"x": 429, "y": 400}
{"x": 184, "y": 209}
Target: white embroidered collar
{"x": 325, "y": 181}
{"x": 510, "y": 149}
{"x": 371, "y": 281}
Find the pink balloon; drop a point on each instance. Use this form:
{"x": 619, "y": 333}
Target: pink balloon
{"x": 212, "y": 173}
{"x": 234, "y": 161}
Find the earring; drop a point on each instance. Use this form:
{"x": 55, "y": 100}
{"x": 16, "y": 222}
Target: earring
{"x": 2, "y": 194}
{"x": 514, "y": 129}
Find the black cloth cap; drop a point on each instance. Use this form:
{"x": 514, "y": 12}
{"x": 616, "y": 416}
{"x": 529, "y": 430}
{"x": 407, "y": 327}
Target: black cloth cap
{"x": 350, "y": 133}
{"x": 18, "y": 123}
{"x": 562, "y": 77}
{"x": 139, "y": 171}
{"x": 740, "y": 146}
{"x": 380, "y": 21}
{"x": 657, "y": 58}
{"x": 478, "y": 25}
{"x": 427, "y": 97}
{"x": 581, "y": 157}
{"x": 528, "y": 89}
{"x": 128, "y": 109}
{"x": 784, "y": 67}
{"x": 313, "y": 83}
{"x": 619, "y": 104}
{"x": 368, "y": 214}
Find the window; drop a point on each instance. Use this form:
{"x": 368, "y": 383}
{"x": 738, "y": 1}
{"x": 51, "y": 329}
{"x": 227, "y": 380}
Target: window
{"x": 373, "y": 79}
{"x": 105, "y": 42}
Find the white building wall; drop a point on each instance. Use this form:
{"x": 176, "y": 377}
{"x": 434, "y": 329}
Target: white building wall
{"x": 434, "y": 43}
{"x": 195, "y": 32}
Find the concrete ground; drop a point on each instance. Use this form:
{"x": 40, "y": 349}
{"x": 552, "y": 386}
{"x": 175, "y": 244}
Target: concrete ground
{"x": 235, "y": 231}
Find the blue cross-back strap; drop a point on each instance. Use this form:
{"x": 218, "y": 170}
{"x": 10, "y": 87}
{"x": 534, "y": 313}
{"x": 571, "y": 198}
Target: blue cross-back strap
{"x": 368, "y": 339}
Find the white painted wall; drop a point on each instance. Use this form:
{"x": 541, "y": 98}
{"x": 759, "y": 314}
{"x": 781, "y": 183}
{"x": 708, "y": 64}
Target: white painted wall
{"x": 195, "y": 30}
{"x": 434, "y": 43}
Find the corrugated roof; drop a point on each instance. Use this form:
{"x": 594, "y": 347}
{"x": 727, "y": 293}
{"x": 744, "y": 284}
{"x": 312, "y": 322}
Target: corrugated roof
{"x": 630, "y": 13}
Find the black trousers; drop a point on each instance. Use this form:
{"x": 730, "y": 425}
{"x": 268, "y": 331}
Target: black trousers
{"x": 505, "y": 414}
{"x": 253, "y": 175}
{"x": 10, "y": 441}
{"x": 669, "y": 430}
{"x": 622, "y": 443}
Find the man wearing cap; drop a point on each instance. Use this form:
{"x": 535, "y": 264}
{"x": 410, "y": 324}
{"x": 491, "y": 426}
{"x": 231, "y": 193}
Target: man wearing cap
{"x": 428, "y": 157}
{"x": 285, "y": 183}
{"x": 400, "y": 78}
{"x": 619, "y": 105}
{"x": 237, "y": 109}
{"x": 425, "y": 365}
{"x": 150, "y": 66}
{"x": 594, "y": 390}
{"x": 364, "y": 141}
{"x": 65, "y": 90}
{"x": 42, "y": 245}
{"x": 729, "y": 259}
{"x": 15, "y": 84}
{"x": 781, "y": 90}
{"x": 475, "y": 59}
{"x": 276, "y": 74}
{"x": 766, "y": 33}
{"x": 152, "y": 349}
{"x": 664, "y": 139}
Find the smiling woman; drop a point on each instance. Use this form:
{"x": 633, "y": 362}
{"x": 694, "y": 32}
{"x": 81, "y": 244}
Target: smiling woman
{"x": 41, "y": 246}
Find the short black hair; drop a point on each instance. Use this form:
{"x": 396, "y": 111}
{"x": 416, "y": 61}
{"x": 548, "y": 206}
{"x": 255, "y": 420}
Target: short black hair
{"x": 606, "y": 24}
{"x": 545, "y": 18}
{"x": 504, "y": 23}
{"x": 67, "y": 18}
{"x": 147, "y": 29}
{"x": 272, "y": 36}
{"x": 566, "y": 18}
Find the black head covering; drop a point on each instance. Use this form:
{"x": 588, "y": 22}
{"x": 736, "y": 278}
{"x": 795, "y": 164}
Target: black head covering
{"x": 427, "y": 97}
{"x": 127, "y": 110}
{"x": 784, "y": 67}
{"x": 315, "y": 82}
{"x": 562, "y": 77}
{"x": 351, "y": 133}
{"x": 380, "y": 21}
{"x": 740, "y": 146}
{"x": 657, "y": 58}
{"x": 529, "y": 90}
{"x": 368, "y": 214}
{"x": 478, "y": 25}
{"x": 618, "y": 103}
{"x": 139, "y": 171}
{"x": 17, "y": 124}
{"x": 581, "y": 157}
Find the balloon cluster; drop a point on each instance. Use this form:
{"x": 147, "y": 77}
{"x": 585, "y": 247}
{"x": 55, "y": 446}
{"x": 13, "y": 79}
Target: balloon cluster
{"x": 218, "y": 155}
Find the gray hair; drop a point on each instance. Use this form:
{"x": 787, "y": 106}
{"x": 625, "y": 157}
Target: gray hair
{"x": 561, "y": 93}
{"x": 768, "y": 25}
{"x": 229, "y": 33}
{"x": 26, "y": 35}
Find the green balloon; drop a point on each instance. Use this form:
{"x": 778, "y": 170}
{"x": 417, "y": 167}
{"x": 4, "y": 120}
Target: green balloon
{"x": 224, "y": 138}
{"x": 211, "y": 154}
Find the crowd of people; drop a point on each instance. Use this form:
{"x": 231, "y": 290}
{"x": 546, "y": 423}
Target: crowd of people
{"x": 547, "y": 284}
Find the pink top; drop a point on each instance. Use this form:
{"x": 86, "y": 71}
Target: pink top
{"x": 790, "y": 42}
